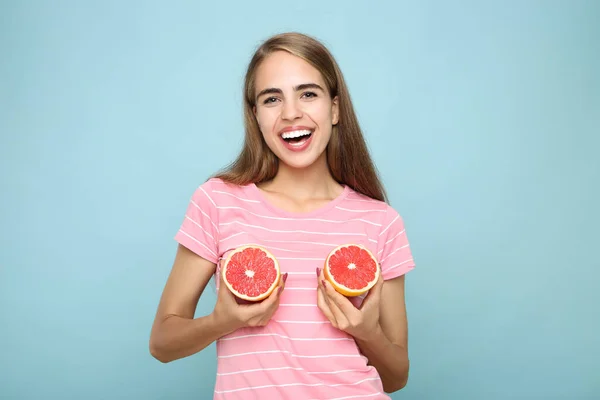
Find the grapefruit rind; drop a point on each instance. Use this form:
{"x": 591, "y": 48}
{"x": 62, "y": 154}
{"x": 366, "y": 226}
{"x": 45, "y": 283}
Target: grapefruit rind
{"x": 343, "y": 289}
{"x": 242, "y": 296}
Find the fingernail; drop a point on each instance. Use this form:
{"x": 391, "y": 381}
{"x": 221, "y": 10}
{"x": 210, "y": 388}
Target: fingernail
{"x": 318, "y": 271}
{"x": 280, "y": 290}
{"x": 323, "y": 282}
{"x": 285, "y": 277}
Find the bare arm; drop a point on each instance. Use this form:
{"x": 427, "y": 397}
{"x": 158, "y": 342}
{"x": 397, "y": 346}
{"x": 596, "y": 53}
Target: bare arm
{"x": 175, "y": 333}
{"x": 387, "y": 348}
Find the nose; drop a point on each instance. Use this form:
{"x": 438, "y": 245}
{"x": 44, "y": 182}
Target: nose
{"x": 290, "y": 110}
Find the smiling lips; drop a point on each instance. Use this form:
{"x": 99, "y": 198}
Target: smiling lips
{"x": 296, "y": 138}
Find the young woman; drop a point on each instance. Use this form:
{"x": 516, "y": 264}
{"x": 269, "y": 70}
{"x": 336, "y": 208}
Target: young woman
{"x": 303, "y": 184}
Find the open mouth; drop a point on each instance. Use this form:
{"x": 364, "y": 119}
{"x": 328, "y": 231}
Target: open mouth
{"x": 296, "y": 138}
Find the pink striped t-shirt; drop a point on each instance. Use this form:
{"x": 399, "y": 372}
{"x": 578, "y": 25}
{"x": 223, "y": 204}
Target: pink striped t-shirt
{"x": 299, "y": 354}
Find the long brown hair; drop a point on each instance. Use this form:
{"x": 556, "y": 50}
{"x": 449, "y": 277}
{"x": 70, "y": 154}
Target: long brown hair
{"x": 347, "y": 153}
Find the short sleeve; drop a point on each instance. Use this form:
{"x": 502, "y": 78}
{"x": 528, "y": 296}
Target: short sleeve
{"x": 199, "y": 229}
{"x": 393, "y": 249}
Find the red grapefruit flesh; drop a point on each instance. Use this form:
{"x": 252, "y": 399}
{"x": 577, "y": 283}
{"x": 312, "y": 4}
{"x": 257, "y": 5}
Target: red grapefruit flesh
{"x": 351, "y": 269}
{"x": 251, "y": 272}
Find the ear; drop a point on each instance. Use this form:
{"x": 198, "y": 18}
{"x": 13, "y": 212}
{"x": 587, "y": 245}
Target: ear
{"x": 255, "y": 116}
{"x": 335, "y": 111}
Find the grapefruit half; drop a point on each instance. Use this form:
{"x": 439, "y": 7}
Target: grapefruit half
{"x": 351, "y": 269}
{"x": 251, "y": 272}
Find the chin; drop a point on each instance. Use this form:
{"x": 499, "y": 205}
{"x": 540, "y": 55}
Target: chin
{"x": 298, "y": 164}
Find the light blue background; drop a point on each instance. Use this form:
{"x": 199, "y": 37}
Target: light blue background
{"x": 483, "y": 117}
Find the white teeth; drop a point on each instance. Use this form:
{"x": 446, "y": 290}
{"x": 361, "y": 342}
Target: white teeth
{"x": 295, "y": 134}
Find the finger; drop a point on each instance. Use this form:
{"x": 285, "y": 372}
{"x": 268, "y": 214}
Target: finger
{"x": 272, "y": 301}
{"x": 339, "y": 300}
{"x": 281, "y": 283}
{"x": 343, "y": 315}
{"x": 271, "y": 304}
{"x": 255, "y": 312}
{"x": 321, "y": 286}
{"x": 324, "y": 307}
{"x": 341, "y": 318}
{"x": 284, "y": 278}
{"x": 279, "y": 289}
{"x": 374, "y": 294}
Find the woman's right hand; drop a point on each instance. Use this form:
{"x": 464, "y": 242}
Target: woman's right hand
{"x": 232, "y": 314}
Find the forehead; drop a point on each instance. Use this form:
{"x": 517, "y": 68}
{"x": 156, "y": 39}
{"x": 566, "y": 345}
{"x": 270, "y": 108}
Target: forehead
{"x": 284, "y": 70}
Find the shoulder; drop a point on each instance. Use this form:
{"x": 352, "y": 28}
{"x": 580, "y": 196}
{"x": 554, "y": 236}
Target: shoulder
{"x": 218, "y": 184}
{"x": 217, "y": 192}
{"x": 384, "y": 214}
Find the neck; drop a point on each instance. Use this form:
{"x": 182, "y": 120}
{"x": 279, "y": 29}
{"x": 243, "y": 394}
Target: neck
{"x": 305, "y": 183}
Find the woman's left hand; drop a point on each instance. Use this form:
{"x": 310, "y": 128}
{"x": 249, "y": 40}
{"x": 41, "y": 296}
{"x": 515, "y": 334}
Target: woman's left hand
{"x": 363, "y": 322}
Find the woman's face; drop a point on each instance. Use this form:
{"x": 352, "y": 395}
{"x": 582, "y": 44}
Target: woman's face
{"x": 293, "y": 108}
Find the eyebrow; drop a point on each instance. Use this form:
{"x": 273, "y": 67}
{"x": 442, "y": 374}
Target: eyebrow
{"x": 298, "y": 88}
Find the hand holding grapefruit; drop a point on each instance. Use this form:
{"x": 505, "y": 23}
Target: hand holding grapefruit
{"x": 337, "y": 290}
{"x": 250, "y": 274}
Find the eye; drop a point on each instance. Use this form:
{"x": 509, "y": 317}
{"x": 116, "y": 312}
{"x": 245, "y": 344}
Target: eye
{"x": 270, "y": 100}
{"x": 309, "y": 95}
